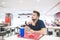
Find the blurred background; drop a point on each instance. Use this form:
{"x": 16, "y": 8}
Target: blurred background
{"x": 47, "y": 9}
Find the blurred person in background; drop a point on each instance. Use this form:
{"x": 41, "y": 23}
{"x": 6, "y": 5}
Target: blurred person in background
{"x": 8, "y": 19}
{"x": 57, "y": 22}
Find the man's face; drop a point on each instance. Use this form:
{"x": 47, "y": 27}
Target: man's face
{"x": 34, "y": 16}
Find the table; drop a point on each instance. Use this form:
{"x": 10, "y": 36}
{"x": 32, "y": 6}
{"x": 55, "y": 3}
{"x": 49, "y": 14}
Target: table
{"x": 50, "y": 37}
{"x": 2, "y": 31}
{"x": 1, "y": 27}
{"x": 2, "y": 34}
{"x": 14, "y": 37}
{"x": 51, "y": 27}
{"x": 46, "y": 37}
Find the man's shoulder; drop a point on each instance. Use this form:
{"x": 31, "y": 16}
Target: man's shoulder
{"x": 40, "y": 20}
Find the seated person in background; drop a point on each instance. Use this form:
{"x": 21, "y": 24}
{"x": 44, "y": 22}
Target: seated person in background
{"x": 35, "y": 25}
{"x": 57, "y": 22}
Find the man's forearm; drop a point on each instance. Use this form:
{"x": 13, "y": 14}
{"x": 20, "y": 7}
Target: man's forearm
{"x": 42, "y": 31}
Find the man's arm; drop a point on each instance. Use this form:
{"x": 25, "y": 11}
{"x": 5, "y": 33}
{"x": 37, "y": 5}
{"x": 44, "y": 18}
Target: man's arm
{"x": 42, "y": 31}
{"x": 27, "y": 28}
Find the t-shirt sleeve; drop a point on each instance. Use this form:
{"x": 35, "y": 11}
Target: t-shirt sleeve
{"x": 42, "y": 24}
{"x": 30, "y": 25}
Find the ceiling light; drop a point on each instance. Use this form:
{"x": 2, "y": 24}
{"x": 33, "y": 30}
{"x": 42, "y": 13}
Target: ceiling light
{"x": 38, "y": 0}
{"x": 2, "y": 3}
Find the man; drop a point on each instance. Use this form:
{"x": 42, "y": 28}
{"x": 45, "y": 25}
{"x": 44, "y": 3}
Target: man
{"x": 36, "y": 25}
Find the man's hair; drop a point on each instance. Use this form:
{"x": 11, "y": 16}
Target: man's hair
{"x": 8, "y": 14}
{"x": 38, "y": 14}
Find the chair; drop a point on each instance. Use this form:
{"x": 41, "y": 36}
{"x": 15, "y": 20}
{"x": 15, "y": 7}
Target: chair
{"x": 17, "y": 30}
{"x": 2, "y": 33}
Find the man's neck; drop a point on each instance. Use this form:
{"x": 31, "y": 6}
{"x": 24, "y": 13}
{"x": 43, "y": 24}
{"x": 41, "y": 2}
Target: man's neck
{"x": 35, "y": 21}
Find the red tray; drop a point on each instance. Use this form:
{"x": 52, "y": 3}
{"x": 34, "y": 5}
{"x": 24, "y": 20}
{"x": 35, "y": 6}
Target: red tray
{"x": 34, "y": 36}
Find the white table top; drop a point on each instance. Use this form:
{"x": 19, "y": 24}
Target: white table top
{"x": 14, "y": 37}
{"x": 51, "y": 37}
{"x": 46, "y": 37}
{"x": 51, "y": 27}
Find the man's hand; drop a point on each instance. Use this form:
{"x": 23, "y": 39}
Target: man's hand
{"x": 31, "y": 22}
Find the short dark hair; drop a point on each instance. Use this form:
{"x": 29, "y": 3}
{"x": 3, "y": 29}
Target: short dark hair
{"x": 8, "y": 14}
{"x": 38, "y": 14}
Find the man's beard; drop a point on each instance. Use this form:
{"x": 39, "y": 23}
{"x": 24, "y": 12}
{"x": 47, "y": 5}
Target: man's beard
{"x": 33, "y": 19}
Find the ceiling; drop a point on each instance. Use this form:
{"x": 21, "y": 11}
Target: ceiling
{"x": 41, "y": 5}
